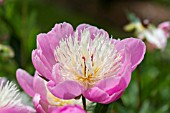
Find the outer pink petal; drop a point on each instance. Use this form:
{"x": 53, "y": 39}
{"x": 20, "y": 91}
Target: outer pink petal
{"x": 69, "y": 109}
{"x": 41, "y": 64}
{"x": 45, "y": 47}
{"x": 112, "y": 84}
{"x": 59, "y": 31}
{"x": 96, "y": 95}
{"x": 113, "y": 97}
{"x": 137, "y": 50}
{"x": 40, "y": 87}
{"x": 48, "y": 42}
{"x": 125, "y": 70}
{"x": 26, "y": 81}
{"x": 37, "y": 105}
{"x": 93, "y": 30}
{"x": 66, "y": 89}
{"x": 117, "y": 91}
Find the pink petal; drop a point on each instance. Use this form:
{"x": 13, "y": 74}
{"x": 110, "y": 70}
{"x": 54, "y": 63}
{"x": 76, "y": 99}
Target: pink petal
{"x": 125, "y": 70}
{"x": 137, "y": 50}
{"x": 113, "y": 97}
{"x": 123, "y": 83}
{"x": 96, "y": 95}
{"x": 40, "y": 87}
{"x": 55, "y": 74}
{"x": 26, "y": 81}
{"x": 93, "y": 30}
{"x": 66, "y": 89}
{"x": 41, "y": 64}
{"x": 43, "y": 42}
{"x": 59, "y": 31}
{"x": 111, "y": 84}
{"x": 37, "y": 105}
{"x": 48, "y": 42}
{"x": 69, "y": 109}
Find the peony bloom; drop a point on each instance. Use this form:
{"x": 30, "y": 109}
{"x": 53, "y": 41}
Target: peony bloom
{"x": 86, "y": 62}
{"x": 156, "y": 36}
{"x": 36, "y": 87}
{"x": 10, "y": 101}
{"x": 68, "y": 109}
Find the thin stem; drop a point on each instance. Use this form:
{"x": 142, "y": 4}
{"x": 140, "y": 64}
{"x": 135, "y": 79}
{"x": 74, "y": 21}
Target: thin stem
{"x": 121, "y": 102}
{"x": 84, "y": 102}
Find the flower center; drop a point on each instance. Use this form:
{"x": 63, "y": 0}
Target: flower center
{"x": 87, "y": 60}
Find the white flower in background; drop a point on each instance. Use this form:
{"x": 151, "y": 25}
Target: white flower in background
{"x": 10, "y": 100}
{"x": 156, "y": 37}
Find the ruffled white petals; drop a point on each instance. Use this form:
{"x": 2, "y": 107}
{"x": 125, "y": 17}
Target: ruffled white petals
{"x": 9, "y": 95}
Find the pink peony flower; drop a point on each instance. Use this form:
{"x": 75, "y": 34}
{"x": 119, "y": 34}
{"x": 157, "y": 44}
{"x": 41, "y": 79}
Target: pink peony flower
{"x": 68, "y": 109}
{"x": 36, "y": 87}
{"x": 10, "y": 101}
{"x": 86, "y": 62}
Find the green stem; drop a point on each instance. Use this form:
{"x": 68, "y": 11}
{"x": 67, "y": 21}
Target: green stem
{"x": 84, "y": 102}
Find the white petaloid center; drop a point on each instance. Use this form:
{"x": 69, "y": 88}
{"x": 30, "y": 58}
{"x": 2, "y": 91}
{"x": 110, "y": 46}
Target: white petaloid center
{"x": 9, "y": 96}
{"x": 87, "y": 60}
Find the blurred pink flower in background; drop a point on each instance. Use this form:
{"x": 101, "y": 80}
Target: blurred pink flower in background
{"x": 36, "y": 87}
{"x": 10, "y": 100}
{"x": 156, "y": 37}
{"x": 1, "y": 1}
{"x": 86, "y": 62}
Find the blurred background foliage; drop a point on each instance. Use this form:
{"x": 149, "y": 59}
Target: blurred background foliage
{"x": 22, "y": 20}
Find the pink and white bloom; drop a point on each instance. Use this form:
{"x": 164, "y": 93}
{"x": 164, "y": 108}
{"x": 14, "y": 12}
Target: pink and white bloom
{"x": 156, "y": 36}
{"x": 36, "y": 87}
{"x": 86, "y": 62}
{"x": 68, "y": 109}
{"x": 10, "y": 101}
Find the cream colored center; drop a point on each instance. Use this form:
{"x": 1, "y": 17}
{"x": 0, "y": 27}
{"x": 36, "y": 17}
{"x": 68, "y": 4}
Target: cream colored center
{"x": 87, "y": 61}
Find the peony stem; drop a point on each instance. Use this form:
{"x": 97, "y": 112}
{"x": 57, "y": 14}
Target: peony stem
{"x": 84, "y": 102}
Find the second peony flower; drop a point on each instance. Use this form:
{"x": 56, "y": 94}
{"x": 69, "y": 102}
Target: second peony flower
{"x": 86, "y": 62}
